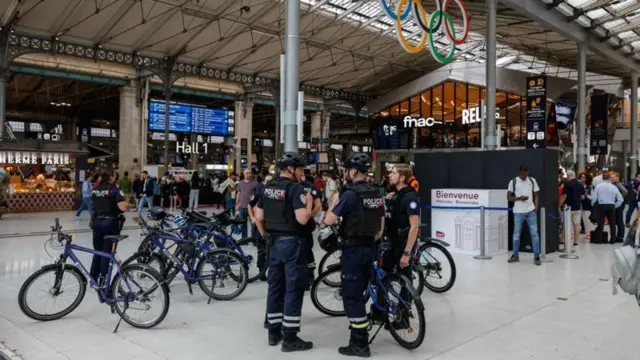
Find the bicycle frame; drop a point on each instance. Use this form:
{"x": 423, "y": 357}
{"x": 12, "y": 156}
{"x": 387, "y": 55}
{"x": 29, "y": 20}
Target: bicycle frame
{"x": 224, "y": 238}
{"x": 373, "y": 290}
{"x": 103, "y": 293}
{"x": 177, "y": 263}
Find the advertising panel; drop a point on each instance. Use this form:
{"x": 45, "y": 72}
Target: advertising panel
{"x": 536, "y": 112}
{"x": 599, "y": 124}
{"x": 452, "y": 220}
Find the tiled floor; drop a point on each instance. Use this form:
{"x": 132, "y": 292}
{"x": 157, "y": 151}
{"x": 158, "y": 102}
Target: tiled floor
{"x": 495, "y": 311}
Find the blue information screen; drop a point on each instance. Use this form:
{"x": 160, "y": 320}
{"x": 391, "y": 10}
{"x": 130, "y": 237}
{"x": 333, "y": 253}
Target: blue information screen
{"x": 188, "y": 118}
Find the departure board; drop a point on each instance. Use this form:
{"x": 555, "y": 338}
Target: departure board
{"x": 188, "y": 118}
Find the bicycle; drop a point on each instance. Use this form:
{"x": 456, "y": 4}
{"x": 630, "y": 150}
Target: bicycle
{"x": 381, "y": 289}
{"x": 190, "y": 258}
{"x": 118, "y": 293}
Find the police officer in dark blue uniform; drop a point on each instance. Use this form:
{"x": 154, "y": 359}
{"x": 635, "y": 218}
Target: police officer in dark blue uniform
{"x": 403, "y": 223}
{"x": 362, "y": 210}
{"x": 309, "y": 228}
{"x": 281, "y": 214}
{"x": 108, "y": 204}
{"x": 255, "y": 198}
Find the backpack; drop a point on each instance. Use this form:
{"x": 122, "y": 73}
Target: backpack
{"x": 625, "y": 270}
{"x": 514, "y": 182}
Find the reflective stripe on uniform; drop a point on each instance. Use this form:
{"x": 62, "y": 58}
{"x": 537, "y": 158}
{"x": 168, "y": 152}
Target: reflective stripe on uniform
{"x": 312, "y": 265}
{"x": 292, "y": 318}
{"x": 360, "y": 326}
{"x": 290, "y": 324}
{"x": 274, "y": 315}
{"x": 359, "y": 323}
{"x": 357, "y": 320}
{"x": 274, "y": 321}
{"x": 275, "y": 318}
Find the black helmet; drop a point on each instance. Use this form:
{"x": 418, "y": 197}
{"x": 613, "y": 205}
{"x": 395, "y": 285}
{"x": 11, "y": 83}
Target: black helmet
{"x": 291, "y": 159}
{"x": 360, "y": 162}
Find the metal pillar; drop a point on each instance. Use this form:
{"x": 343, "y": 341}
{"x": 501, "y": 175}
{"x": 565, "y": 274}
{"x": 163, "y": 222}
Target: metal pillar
{"x": 292, "y": 75}
{"x": 167, "y": 112}
{"x": 491, "y": 141}
{"x": 581, "y": 150}
{"x": 634, "y": 124}
{"x": 4, "y": 76}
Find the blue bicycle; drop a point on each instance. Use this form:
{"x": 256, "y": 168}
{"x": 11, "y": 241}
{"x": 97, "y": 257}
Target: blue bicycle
{"x": 134, "y": 288}
{"x": 214, "y": 269}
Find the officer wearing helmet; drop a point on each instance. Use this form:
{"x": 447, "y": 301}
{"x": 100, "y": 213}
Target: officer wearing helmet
{"x": 108, "y": 204}
{"x": 281, "y": 214}
{"x": 362, "y": 210}
{"x": 310, "y": 227}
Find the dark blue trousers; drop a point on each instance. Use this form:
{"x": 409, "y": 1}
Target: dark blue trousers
{"x": 356, "y": 265}
{"x": 287, "y": 281}
{"x": 102, "y": 228}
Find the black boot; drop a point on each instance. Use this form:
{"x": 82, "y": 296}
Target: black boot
{"x": 275, "y": 336}
{"x": 293, "y": 343}
{"x": 356, "y": 348}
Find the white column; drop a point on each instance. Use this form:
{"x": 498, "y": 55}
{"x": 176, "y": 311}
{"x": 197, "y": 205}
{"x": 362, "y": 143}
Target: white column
{"x": 131, "y": 136}
{"x": 244, "y": 130}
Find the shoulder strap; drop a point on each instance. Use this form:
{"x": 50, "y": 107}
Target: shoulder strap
{"x": 513, "y": 185}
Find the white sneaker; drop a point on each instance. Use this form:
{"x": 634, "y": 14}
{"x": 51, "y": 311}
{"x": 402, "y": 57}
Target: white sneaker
{"x": 77, "y": 218}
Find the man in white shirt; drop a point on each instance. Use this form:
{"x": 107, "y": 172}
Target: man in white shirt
{"x": 523, "y": 192}
{"x": 597, "y": 179}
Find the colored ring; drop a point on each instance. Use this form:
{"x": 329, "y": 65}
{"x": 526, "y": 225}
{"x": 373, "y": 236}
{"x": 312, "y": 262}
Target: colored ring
{"x": 434, "y": 52}
{"x": 393, "y": 15}
{"x": 465, "y": 22}
{"x": 425, "y": 22}
{"x": 403, "y": 41}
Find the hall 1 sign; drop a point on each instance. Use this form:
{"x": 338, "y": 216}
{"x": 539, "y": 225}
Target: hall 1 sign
{"x": 31, "y": 158}
{"x": 536, "y": 112}
{"x": 193, "y": 148}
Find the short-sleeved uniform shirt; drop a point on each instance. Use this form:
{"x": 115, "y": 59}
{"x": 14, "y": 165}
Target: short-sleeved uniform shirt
{"x": 298, "y": 197}
{"x": 257, "y": 196}
{"x": 409, "y": 205}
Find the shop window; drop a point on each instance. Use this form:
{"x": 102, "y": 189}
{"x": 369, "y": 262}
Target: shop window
{"x": 35, "y": 127}
{"x": 384, "y": 113}
{"x": 394, "y": 110}
{"x": 16, "y": 126}
{"x": 461, "y": 100}
{"x": 501, "y": 105}
{"x": 473, "y": 99}
{"x": 404, "y": 109}
{"x": 415, "y": 106}
{"x": 437, "y": 102}
{"x": 425, "y": 100}
{"x": 448, "y": 102}
{"x": 100, "y": 132}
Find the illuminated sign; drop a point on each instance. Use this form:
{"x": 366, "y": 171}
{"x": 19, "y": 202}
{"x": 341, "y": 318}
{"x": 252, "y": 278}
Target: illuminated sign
{"x": 419, "y": 122}
{"x": 31, "y": 158}
{"x": 192, "y": 148}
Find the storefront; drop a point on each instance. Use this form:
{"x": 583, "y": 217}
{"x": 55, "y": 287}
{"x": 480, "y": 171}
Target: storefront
{"x": 40, "y": 175}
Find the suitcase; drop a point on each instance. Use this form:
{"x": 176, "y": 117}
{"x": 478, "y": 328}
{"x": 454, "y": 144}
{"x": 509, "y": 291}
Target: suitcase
{"x": 604, "y": 237}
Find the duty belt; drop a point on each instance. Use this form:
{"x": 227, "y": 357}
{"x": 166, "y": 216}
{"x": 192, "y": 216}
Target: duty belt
{"x": 106, "y": 217}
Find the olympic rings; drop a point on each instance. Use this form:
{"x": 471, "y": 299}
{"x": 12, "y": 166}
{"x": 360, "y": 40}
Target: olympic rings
{"x": 430, "y": 25}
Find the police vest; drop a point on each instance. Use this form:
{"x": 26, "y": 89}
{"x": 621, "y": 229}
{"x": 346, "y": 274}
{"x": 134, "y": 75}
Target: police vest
{"x": 399, "y": 219}
{"x": 361, "y": 225}
{"x": 309, "y": 189}
{"x": 104, "y": 200}
{"x": 279, "y": 217}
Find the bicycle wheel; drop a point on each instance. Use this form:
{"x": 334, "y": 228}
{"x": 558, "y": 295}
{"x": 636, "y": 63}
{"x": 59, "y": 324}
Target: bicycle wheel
{"x": 323, "y": 294}
{"x": 330, "y": 258}
{"x": 405, "y": 311}
{"x": 222, "y": 267}
{"x": 152, "y": 259}
{"x": 254, "y": 249}
{"x": 53, "y": 289}
{"x": 439, "y": 269}
{"x": 134, "y": 293}
{"x": 147, "y": 244}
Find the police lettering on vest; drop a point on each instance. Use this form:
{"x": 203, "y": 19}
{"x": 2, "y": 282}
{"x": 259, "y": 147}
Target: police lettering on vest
{"x": 105, "y": 202}
{"x": 279, "y": 217}
{"x": 363, "y": 222}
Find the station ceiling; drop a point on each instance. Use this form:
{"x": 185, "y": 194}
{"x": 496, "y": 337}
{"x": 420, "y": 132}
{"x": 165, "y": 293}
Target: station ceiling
{"x": 347, "y": 45}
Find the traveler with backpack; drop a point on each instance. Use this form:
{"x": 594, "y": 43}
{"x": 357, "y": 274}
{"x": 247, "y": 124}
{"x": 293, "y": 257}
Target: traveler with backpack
{"x": 523, "y": 192}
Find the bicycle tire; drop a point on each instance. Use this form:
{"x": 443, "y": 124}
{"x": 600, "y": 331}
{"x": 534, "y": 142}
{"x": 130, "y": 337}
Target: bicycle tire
{"x": 243, "y": 279}
{"x": 416, "y": 309}
{"x": 417, "y": 275}
{"x": 261, "y": 246}
{"x": 164, "y": 291}
{"x": 24, "y": 289}
{"x": 146, "y": 258}
{"x": 452, "y": 280}
{"x": 322, "y": 265}
{"x": 314, "y": 292}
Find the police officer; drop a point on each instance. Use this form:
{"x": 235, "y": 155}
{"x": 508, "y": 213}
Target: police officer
{"x": 310, "y": 227}
{"x": 108, "y": 204}
{"x": 403, "y": 223}
{"x": 362, "y": 210}
{"x": 281, "y": 214}
{"x": 255, "y": 198}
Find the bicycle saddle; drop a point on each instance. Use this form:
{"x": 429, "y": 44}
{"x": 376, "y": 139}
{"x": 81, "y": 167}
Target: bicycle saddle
{"x": 115, "y": 238}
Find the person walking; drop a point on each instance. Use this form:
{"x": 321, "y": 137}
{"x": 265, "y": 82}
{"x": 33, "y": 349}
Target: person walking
{"x": 194, "y": 193}
{"x": 86, "y": 204}
{"x": 608, "y": 198}
{"x": 281, "y": 213}
{"x": 146, "y": 196}
{"x": 587, "y": 208}
{"x": 523, "y": 191}
{"x": 571, "y": 196}
{"x": 125, "y": 186}
{"x": 362, "y": 210}
{"x": 136, "y": 189}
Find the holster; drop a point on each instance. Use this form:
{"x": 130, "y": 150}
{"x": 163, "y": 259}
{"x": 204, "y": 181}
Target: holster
{"x": 268, "y": 239}
{"x": 91, "y": 219}
{"x": 121, "y": 220}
